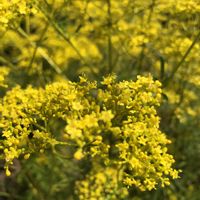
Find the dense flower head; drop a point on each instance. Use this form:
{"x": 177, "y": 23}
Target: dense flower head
{"x": 113, "y": 123}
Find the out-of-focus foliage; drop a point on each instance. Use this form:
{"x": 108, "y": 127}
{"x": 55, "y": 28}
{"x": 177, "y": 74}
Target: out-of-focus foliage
{"x": 57, "y": 40}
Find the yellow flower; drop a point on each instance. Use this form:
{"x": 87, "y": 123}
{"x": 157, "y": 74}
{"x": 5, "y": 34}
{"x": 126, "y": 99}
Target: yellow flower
{"x": 78, "y": 155}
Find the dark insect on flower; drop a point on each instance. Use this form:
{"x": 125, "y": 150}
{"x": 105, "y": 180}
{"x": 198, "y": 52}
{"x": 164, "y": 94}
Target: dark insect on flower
{"x": 30, "y": 136}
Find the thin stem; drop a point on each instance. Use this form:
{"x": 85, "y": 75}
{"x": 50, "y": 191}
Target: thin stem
{"x": 7, "y": 195}
{"x": 35, "y": 185}
{"x": 67, "y": 40}
{"x": 140, "y": 59}
{"x": 37, "y": 46}
{"x": 167, "y": 80}
{"x": 41, "y": 51}
{"x": 110, "y": 48}
{"x": 62, "y": 34}
{"x": 162, "y": 67}
{"x": 6, "y": 61}
{"x": 151, "y": 7}
{"x": 28, "y": 24}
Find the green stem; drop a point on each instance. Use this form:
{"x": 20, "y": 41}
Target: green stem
{"x": 62, "y": 34}
{"x": 67, "y": 40}
{"x": 151, "y": 7}
{"x": 28, "y": 24}
{"x": 35, "y": 185}
{"x": 7, "y": 195}
{"x": 41, "y": 52}
{"x": 6, "y": 61}
{"x": 110, "y": 48}
{"x": 167, "y": 80}
{"x": 37, "y": 46}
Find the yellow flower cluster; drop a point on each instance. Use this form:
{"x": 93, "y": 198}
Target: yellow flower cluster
{"x": 101, "y": 183}
{"x": 123, "y": 134}
{"x": 4, "y": 71}
{"x": 11, "y": 10}
{"x": 86, "y": 27}
{"x": 66, "y": 38}
{"x": 113, "y": 124}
